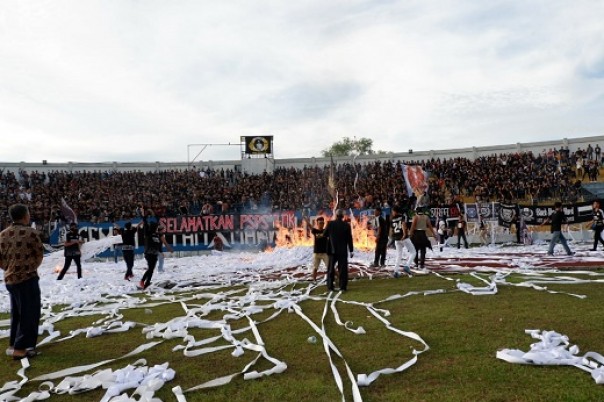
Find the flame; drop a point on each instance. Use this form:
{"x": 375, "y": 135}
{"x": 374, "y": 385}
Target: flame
{"x": 300, "y": 236}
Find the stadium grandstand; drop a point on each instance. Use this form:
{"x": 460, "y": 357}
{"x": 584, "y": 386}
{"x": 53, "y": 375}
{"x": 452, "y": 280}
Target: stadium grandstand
{"x": 525, "y": 174}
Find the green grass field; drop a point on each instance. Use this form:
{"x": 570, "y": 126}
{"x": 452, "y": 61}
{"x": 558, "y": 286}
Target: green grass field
{"x": 464, "y": 333}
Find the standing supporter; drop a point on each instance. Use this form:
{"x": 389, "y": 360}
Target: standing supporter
{"x": 128, "y": 245}
{"x": 597, "y": 224}
{"x": 517, "y": 225}
{"x": 557, "y": 219}
{"x": 320, "y": 247}
{"x": 381, "y": 230}
{"x": 117, "y": 248}
{"x": 398, "y": 232}
{"x": 21, "y": 254}
{"x": 419, "y": 226}
{"x": 152, "y": 248}
{"x": 579, "y": 170}
{"x": 162, "y": 237}
{"x": 461, "y": 231}
{"x": 339, "y": 234}
{"x": 72, "y": 252}
{"x": 484, "y": 232}
{"x": 442, "y": 232}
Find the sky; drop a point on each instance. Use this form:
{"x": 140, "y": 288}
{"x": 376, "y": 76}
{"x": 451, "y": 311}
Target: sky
{"x": 142, "y": 81}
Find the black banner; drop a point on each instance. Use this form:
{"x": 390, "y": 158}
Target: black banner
{"x": 507, "y": 214}
{"x": 259, "y": 144}
{"x": 484, "y": 211}
{"x": 577, "y": 213}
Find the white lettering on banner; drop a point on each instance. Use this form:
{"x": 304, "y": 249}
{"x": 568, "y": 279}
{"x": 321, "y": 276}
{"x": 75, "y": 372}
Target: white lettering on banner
{"x": 249, "y": 236}
{"x": 189, "y": 239}
{"x": 541, "y": 212}
{"x": 446, "y": 212}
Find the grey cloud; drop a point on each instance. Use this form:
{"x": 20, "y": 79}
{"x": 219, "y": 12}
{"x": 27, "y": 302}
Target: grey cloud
{"x": 594, "y": 69}
{"x": 304, "y": 101}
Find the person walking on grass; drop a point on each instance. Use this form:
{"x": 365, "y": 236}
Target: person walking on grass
{"x": 128, "y": 244}
{"x": 597, "y": 224}
{"x": 399, "y": 234}
{"x": 557, "y": 219}
{"x": 152, "y": 248}
{"x": 420, "y": 227}
{"x": 72, "y": 252}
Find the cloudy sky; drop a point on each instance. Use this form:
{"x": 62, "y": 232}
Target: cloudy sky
{"x": 134, "y": 80}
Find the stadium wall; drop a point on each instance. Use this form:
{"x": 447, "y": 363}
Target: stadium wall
{"x": 259, "y": 165}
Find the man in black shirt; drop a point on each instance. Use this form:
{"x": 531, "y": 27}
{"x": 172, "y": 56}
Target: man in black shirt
{"x": 380, "y": 227}
{"x": 557, "y": 219}
{"x": 461, "y": 231}
{"x": 152, "y": 248}
{"x": 319, "y": 247}
{"x": 340, "y": 243}
{"x": 400, "y": 235}
{"x": 128, "y": 244}
{"x": 72, "y": 251}
{"x": 597, "y": 224}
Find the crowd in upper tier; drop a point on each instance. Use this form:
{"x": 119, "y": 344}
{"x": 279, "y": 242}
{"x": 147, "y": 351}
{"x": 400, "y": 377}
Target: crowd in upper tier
{"x": 109, "y": 196}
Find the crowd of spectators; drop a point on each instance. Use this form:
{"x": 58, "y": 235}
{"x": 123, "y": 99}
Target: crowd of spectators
{"x": 110, "y": 196}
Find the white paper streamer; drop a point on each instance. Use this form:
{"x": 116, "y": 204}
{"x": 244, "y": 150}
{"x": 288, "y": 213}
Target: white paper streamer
{"x": 199, "y": 288}
{"x": 553, "y": 349}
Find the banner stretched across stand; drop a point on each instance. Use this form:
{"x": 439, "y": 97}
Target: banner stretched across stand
{"x": 258, "y": 231}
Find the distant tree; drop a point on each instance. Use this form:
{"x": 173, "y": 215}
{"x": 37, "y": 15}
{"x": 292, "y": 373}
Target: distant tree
{"x": 346, "y": 147}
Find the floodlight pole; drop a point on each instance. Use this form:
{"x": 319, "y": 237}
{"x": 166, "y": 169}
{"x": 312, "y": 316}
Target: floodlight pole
{"x": 204, "y": 146}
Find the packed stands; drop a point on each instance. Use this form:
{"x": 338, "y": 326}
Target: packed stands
{"x": 106, "y": 196}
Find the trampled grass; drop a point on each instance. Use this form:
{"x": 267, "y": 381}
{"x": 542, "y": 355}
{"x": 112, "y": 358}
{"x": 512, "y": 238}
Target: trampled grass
{"x": 464, "y": 333}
